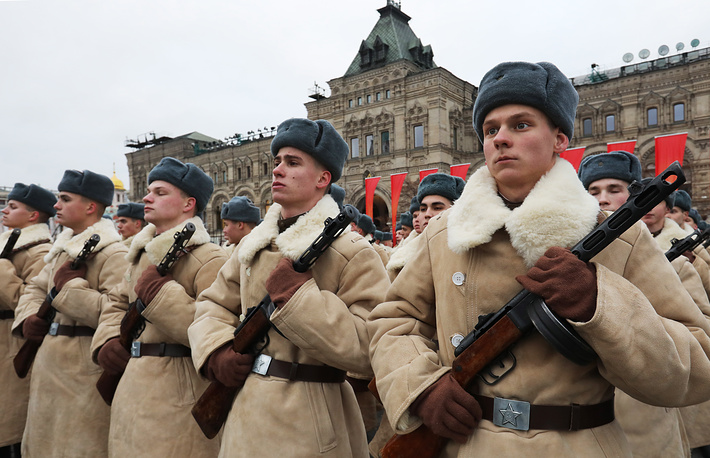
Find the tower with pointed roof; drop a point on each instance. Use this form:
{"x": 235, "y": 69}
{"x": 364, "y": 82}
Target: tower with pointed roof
{"x": 398, "y": 111}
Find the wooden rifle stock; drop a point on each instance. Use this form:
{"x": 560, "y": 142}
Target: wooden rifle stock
{"x": 26, "y": 355}
{"x": 494, "y": 333}
{"x": 132, "y": 323}
{"x": 211, "y": 410}
{"x": 10, "y": 244}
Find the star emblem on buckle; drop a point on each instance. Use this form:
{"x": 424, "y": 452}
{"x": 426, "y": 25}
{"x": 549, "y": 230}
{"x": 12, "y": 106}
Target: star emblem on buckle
{"x": 510, "y": 415}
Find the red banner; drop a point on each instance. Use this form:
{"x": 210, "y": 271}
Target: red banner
{"x": 370, "y": 185}
{"x": 396, "y": 182}
{"x": 573, "y": 156}
{"x": 460, "y": 170}
{"x": 628, "y": 146}
{"x": 425, "y": 172}
{"x": 669, "y": 148}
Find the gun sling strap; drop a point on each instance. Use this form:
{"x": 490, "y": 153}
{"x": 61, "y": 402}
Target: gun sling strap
{"x": 266, "y": 365}
{"x": 522, "y": 415}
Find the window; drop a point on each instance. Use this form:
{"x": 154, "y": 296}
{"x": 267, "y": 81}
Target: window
{"x": 679, "y": 112}
{"x": 248, "y": 171}
{"x": 215, "y": 178}
{"x": 652, "y": 116}
{"x": 385, "y": 142}
{"x": 266, "y": 169}
{"x": 418, "y": 136}
{"x": 587, "y": 127}
{"x": 370, "y": 145}
{"x": 456, "y": 139}
{"x": 387, "y": 94}
{"x": 350, "y": 103}
{"x": 359, "y": 101}
{"x": 610, "y": 123}
{"x": 369, "y": 98}
{"x": 239, "y": 173}
{"x": 354, "y": 147}
{"x": 224, "y": 176}
{"x": 378, "y": 96}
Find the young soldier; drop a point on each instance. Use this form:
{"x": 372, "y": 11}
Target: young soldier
{"x": 318, "y": 329}
{"x": 680, "y": 210}
{"x": 150, "y": 412}
{"x": 66, "y": 416}
{"x": 366, "y": 228}
{"x": 505, "y": 231}
{"x": 651, "y": 431}
{"x": 130, "y": 220}
{"x": 28, "y": 209}
{"x": 239, "y": 217}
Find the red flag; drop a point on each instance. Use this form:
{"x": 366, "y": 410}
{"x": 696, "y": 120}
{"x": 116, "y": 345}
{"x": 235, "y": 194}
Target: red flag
{"x": 669, "y": 148}
{"x": 627, "y": 146}
{"x": 370, "y": 185}
{"x": 425, "y": 172}
{"x": 396, "y": 182}
{"x": 574, "y": 156}
{"x": 460, "y": 170}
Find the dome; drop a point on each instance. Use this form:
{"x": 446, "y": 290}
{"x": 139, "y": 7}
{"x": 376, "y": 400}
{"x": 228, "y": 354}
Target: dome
{"x": 118, "y": 184}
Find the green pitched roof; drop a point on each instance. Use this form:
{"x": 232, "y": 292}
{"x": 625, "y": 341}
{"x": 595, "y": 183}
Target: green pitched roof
{"x": 391, "y": 40}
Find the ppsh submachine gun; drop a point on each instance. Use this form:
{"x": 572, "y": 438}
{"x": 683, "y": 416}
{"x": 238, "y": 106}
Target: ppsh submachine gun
{"x": 212, "y": 409}
{"x": 10, "y": 244}
{"x": 688, "y": 243}
{"x": 495, "y": 333}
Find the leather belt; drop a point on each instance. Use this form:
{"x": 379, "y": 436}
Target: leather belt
{"x": 7, "y": 314}
{"x": 266, "y": 365}
{"x": 359, "y": 385}
{"x": 56, "y": 329}
{"x": 522, "y": 415}
{"x": 139, "y": 349}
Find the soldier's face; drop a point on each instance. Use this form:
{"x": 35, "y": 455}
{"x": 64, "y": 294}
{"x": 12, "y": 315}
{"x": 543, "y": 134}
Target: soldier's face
{"x": 16, "y": 215}
{"x": 166, "y": 205}
{"x": 656, "y": 217}
{"x": 610, "y": 192}
{"x": 73, "y": 210}
{"x": 298, "y": 181}
{"x": 128, "y": 226}
{"x": 432, "y": 206}
{"x": 520, "y": 146}
{"x": 678, "y": 215}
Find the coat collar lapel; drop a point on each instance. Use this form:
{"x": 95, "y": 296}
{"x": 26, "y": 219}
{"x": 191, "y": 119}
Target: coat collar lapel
{"x": 72, "y": 244}
{"x": 156, "y": 246}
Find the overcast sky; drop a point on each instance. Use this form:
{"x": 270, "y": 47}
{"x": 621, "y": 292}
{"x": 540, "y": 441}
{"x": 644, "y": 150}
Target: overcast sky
{"x": 79, "y": 77}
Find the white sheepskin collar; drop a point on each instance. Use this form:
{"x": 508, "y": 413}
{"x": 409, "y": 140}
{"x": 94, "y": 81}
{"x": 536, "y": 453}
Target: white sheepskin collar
{"x": 557, "y": 212}
{"x": 403, "y": 253}
{"x": 156, "y": 246}
{"x": 670, "y": 231}
{"x": 31, "y": 234}
{"x": 72, "y": 244}
{"x": 293, "y": 241}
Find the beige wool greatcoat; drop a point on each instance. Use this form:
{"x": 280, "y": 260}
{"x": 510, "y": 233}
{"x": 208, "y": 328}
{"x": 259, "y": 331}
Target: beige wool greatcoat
{"x": 322, "y": 323}
{"x": 150, "y": 412}
{"x": 66, "y": 416}
{"x": 28, "y": 260}
{"x": 659, "y": 356}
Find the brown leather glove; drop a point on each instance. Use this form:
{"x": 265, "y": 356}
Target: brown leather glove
{"x": 448, "y": 410}
{"x": 66, "y": 273}
{"x": 35, "y": 328}
{"x": 112, "y": 357}
{"x": 149, "y": 284}
{"x": 568, "y": 285}
{"x": 228, "y": 367}
{"x": 283, "y": 282}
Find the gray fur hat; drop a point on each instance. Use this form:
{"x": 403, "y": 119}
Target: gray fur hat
{"x": 338, "y": 194}
{"x": 541, "y": 86}
{"x": 398, "y": 226}
{"x": 365, "y": 223}
{"x": 693, "y": 213}
{"x": 386, "y": 236}
{"x": 317, "y": 138}
{"x": 378, "y": 235}
{"x": 621, "y": 165}
{"x": 440, "y": 184}
{"x": 668, "y": 200}
{"x": 91, "y": 185}
{"x": 681, "y": 199}
{"x": 414, "y": 205}
{"x": 187, "y": 177}
{"x": 406, "y": 219}
{"x": 34, "y": 196}
{"x": 131, "y": 210}
{"x": 241, "y": 208}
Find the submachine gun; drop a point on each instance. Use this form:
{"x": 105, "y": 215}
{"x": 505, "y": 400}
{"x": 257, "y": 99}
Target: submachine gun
{"x": 496, "y": 332}
{"x": 688, "y": 243}
{"x": 132, "y": 324}
{"x": 26, "y": 356}
{"x": 10, "y": 244}
{"x": 212, "y": 409}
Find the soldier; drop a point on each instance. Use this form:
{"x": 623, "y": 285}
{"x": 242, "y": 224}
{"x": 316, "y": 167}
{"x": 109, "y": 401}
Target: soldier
{"x": 651, "y": 431}
{"x": 505, "y": 231}
{"x": 366, "y": 228}
{"x": 159, "y": 380}
{"x": 680, "y": 210}
{"x": 318, "y": 329}
{"x": 130, "y": 220}
{"x": 407, "y": 225}
{"x": 239, "y": 217}
{"x": 66, "y": 416}
{"x": 28, "y": 209}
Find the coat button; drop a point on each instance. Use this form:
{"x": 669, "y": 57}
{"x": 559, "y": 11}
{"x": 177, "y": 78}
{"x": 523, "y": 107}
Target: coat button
{"x": 456, "y": 339}
{"x": 248, "y": 271}
{"x": 458, "y": 278}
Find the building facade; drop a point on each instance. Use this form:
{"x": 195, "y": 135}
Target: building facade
{"x": 400, "y": 112}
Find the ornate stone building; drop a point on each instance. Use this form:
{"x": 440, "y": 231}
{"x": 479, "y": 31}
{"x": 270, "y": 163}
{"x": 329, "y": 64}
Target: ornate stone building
{"x": 400, "y": 112}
